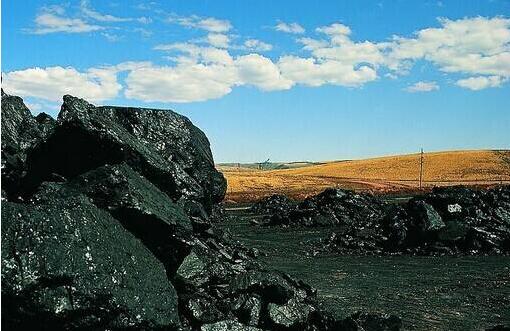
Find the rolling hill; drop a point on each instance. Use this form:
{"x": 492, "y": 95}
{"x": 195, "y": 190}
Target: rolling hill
{"x": 389, "y": 174}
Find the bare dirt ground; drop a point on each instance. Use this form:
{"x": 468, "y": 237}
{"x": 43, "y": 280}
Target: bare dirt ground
{"x": 383, "y": 175}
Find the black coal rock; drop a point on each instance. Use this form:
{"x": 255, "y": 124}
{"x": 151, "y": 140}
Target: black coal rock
{"x": 446, "y": 221}
{"x": 20, "y": 131}
{"x": 163, "y": 146}
{"x": 333, "y": 207}
{"x": 45, "y": 122}
{"x": 276, "y": 203}
{"x": 137, "y": 204}
{"x": 68, "y": 265}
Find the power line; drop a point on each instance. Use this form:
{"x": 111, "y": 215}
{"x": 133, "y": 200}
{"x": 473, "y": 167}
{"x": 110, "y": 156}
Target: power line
{"x": 421, "y": 168}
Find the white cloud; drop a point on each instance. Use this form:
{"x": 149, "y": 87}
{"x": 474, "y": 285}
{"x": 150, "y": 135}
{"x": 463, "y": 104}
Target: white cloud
{"x": 184, "y": 83}
{"x": 335, "y": 29}
{"x": 310, "y": 44}
{"x": 257, "y": 70}
{"x": 214, "y": 25}
{"x": 210, "y": 24}
{"x": 422, "y": 87}
{"x": 257, "y": 45}
{"x": 51, "y": 83}
{"x": 289, "y": 28}
{"x": 203, "y": 68}
{"x": 51, "y": 20}
{"x": 90, "y": 12}
{"x": 481, "y": 82}
{"x": 218, "y": 40}
{"x": 337, "y": 60}
{"x": 202, "y": 73}
{"x": 479, "y": 46}
{"x": 311, "y": 72}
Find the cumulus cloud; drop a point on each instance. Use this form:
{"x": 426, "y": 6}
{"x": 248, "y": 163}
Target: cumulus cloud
{"x": 218, "y": 40}
{"x": 257, "y": 45}
{"x": 336, "y": 60}
{"x": 204, "y": 68}
{"x": 202, "y": 73}
{"x": 474, "y": 46}
{"x": 210, "y": 24}
{"x": 422, "y": 87}
{"x": 197, "y": 82}
{"x": 479, "y": 46}
{"x": 51, "y": 83}
{"x": 259, "y": 71}
{"x": 289, "y": 28}
{"x": 481, "y": 82}
{"x": 312, "y": 72}
{"x": 51, "y": 20}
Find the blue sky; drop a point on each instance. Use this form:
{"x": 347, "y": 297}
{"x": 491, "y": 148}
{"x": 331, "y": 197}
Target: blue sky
{"x": 283, "y": 80}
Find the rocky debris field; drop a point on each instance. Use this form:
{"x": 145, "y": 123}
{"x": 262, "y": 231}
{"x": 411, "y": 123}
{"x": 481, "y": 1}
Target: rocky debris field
{"x": 106, "y": 225}
{"x": 447, "y": 221}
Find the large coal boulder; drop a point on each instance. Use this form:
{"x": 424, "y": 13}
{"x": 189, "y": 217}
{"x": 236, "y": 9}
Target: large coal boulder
{"x": 68, "y": 265}
{"x": 20, "y": 131}
{"x": 136, "y": 203}
{"x": 163, "y": 146}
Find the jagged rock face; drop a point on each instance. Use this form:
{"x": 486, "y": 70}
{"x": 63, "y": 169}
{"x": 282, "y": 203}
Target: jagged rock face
{"x": 68, "y": 265}
{"x": 19, "y": 132}
{"x": 162, "y": 145}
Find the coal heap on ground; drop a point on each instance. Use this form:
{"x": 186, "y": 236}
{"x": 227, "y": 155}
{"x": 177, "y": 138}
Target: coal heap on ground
{"x": 455, "y": 220}
{"x": 276, "y": 203}
{"x": 106, "y": 226}
{"x": 333, "y": 207}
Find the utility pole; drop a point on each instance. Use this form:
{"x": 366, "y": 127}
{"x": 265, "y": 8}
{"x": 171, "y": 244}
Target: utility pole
{"x": 421, "y": 169}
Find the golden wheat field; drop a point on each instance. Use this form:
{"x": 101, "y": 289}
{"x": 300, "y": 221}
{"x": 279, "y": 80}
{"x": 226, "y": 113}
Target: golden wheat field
{"x": 389, "y": 174}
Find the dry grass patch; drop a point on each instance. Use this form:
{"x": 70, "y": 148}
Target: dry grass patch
{"x": 380, "y": 175}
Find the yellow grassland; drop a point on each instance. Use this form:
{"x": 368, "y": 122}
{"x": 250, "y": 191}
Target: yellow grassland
{"x": 380, "y": 175}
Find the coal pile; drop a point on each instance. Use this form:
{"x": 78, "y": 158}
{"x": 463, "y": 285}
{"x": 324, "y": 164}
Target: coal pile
{"x": 107, "y": 224}
{"x": 447, "y": 221}
{"x": 276, "y": 203}
{"x": 455, "y": 220}
{"x": 333, "y": 207}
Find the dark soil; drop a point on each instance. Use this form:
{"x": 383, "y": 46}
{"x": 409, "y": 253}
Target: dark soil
{"x": 427, "y": 292}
